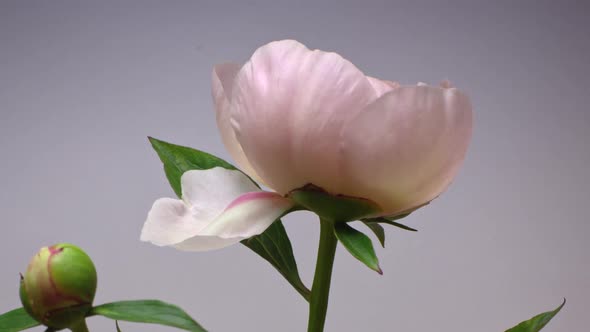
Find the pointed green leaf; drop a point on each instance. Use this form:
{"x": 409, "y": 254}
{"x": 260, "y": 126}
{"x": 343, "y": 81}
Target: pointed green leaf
{"x": 399, "y": 216}
{"x": 536, "y": 323}
{"x": 148, "y": 311}
{"x": 382, "y": 220}
{"x": 179, "y": 159}
{"x": 16, "y": 320}
{"x": 378, "y": 231}
{"x": 273, "y": 245}
{"x": 358, "y": 244}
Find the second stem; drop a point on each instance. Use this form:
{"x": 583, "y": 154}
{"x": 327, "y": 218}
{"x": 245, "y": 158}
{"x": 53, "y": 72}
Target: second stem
{"x": 320, "y": 290}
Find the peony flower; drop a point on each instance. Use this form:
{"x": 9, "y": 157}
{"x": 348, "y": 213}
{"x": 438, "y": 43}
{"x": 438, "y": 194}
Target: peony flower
{"x": 294, "y": 119}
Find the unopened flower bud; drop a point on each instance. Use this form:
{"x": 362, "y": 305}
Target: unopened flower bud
{"x": 59, "y": 286}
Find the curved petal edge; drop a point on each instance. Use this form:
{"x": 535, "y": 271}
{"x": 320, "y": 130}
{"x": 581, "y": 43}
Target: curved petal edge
{"x": 248, "y": 215}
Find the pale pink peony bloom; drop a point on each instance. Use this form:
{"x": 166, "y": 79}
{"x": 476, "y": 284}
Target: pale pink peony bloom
{"x": 291, "y": 116}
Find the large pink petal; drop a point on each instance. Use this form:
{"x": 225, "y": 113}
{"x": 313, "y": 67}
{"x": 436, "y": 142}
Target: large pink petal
{"x": 382, "y": 86}
{"x": 221, "y": 86}
{"x": 405, "y": 148}
{"x": 249, "y": 215}
{"x": 288, "y": 107}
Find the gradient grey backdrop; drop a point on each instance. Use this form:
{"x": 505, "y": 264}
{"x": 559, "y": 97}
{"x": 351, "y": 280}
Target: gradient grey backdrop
{"x": 83, "y": 84}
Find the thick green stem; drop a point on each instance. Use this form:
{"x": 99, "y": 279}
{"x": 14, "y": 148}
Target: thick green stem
{"x": 320, "y": 290}
{"x": 81, "y": 327}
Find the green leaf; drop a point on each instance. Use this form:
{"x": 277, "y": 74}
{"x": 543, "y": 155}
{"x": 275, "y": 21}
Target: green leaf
{"x": 536, "y": 323}
{"x": 390, "y": 220}
{"x": 148, "y": 311}
{"x": 378, "y": 231}
{"x": 16, "y": 320}
{"x": 358, "y": 244}
{"x": 399, "y": 216}
{"x": 382, "y": 220}
{"x": 179, "y": 159}
{"x": 273, "y": 245}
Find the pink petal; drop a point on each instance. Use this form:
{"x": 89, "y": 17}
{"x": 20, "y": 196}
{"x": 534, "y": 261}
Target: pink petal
{"x": 405, "y": 148}
{"x": 221, "y": 85}
{"x": 249, "y": 215}
{"x": 382, "y": 87}
{"x": 446, "y": 84}
{"x": 288, "y": 107}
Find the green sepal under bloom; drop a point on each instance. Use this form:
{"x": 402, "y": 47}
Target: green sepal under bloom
{"x": 337, "y": 208}
{"x": 59, "y": 286}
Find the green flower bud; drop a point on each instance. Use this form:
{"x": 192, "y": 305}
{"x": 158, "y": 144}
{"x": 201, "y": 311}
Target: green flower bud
{"x": 59, "y": 286}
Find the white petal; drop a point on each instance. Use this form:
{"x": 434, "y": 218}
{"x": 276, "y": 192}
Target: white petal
{"x": 221, "y": 84}
{"x": 249, "y": 215}
{"x": 206, "y": 194}
{"x": 407, "y": 146}
{"x": 209, "y": 192}
{"x": 168, "y": 222}
{"x": 289, "y": 104}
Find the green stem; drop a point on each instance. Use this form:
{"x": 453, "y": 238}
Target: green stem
{"x": 81, "y": 327}
{"x": 320, "y": 290}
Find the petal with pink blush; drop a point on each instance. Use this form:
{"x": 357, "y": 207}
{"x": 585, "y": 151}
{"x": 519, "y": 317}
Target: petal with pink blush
{"x": 289, "y": 104}
{"x": 209, "y": 192}
{"x": 222, "y": 81}
{"x": 405, "y": 148}
{"x": 382, "y": 87}
{"x": 249, "y": 215}
{"x": 219, "y": 207}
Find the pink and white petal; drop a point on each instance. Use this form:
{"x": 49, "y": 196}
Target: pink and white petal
{"x": 208, "y": 192}
{"x": 382, "y": 87}
{"x": 249, "y": 215}
{"x": 289, "y": 104}
{"x": 169, "y": 222}
{"x": 221, "y": 86}
{"x": 404, "y": 149}
{"x": 206, "y": 243}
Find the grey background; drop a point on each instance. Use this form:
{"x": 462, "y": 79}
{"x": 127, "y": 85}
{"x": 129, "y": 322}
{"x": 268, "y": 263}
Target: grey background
{"x": 83, "y": 83}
